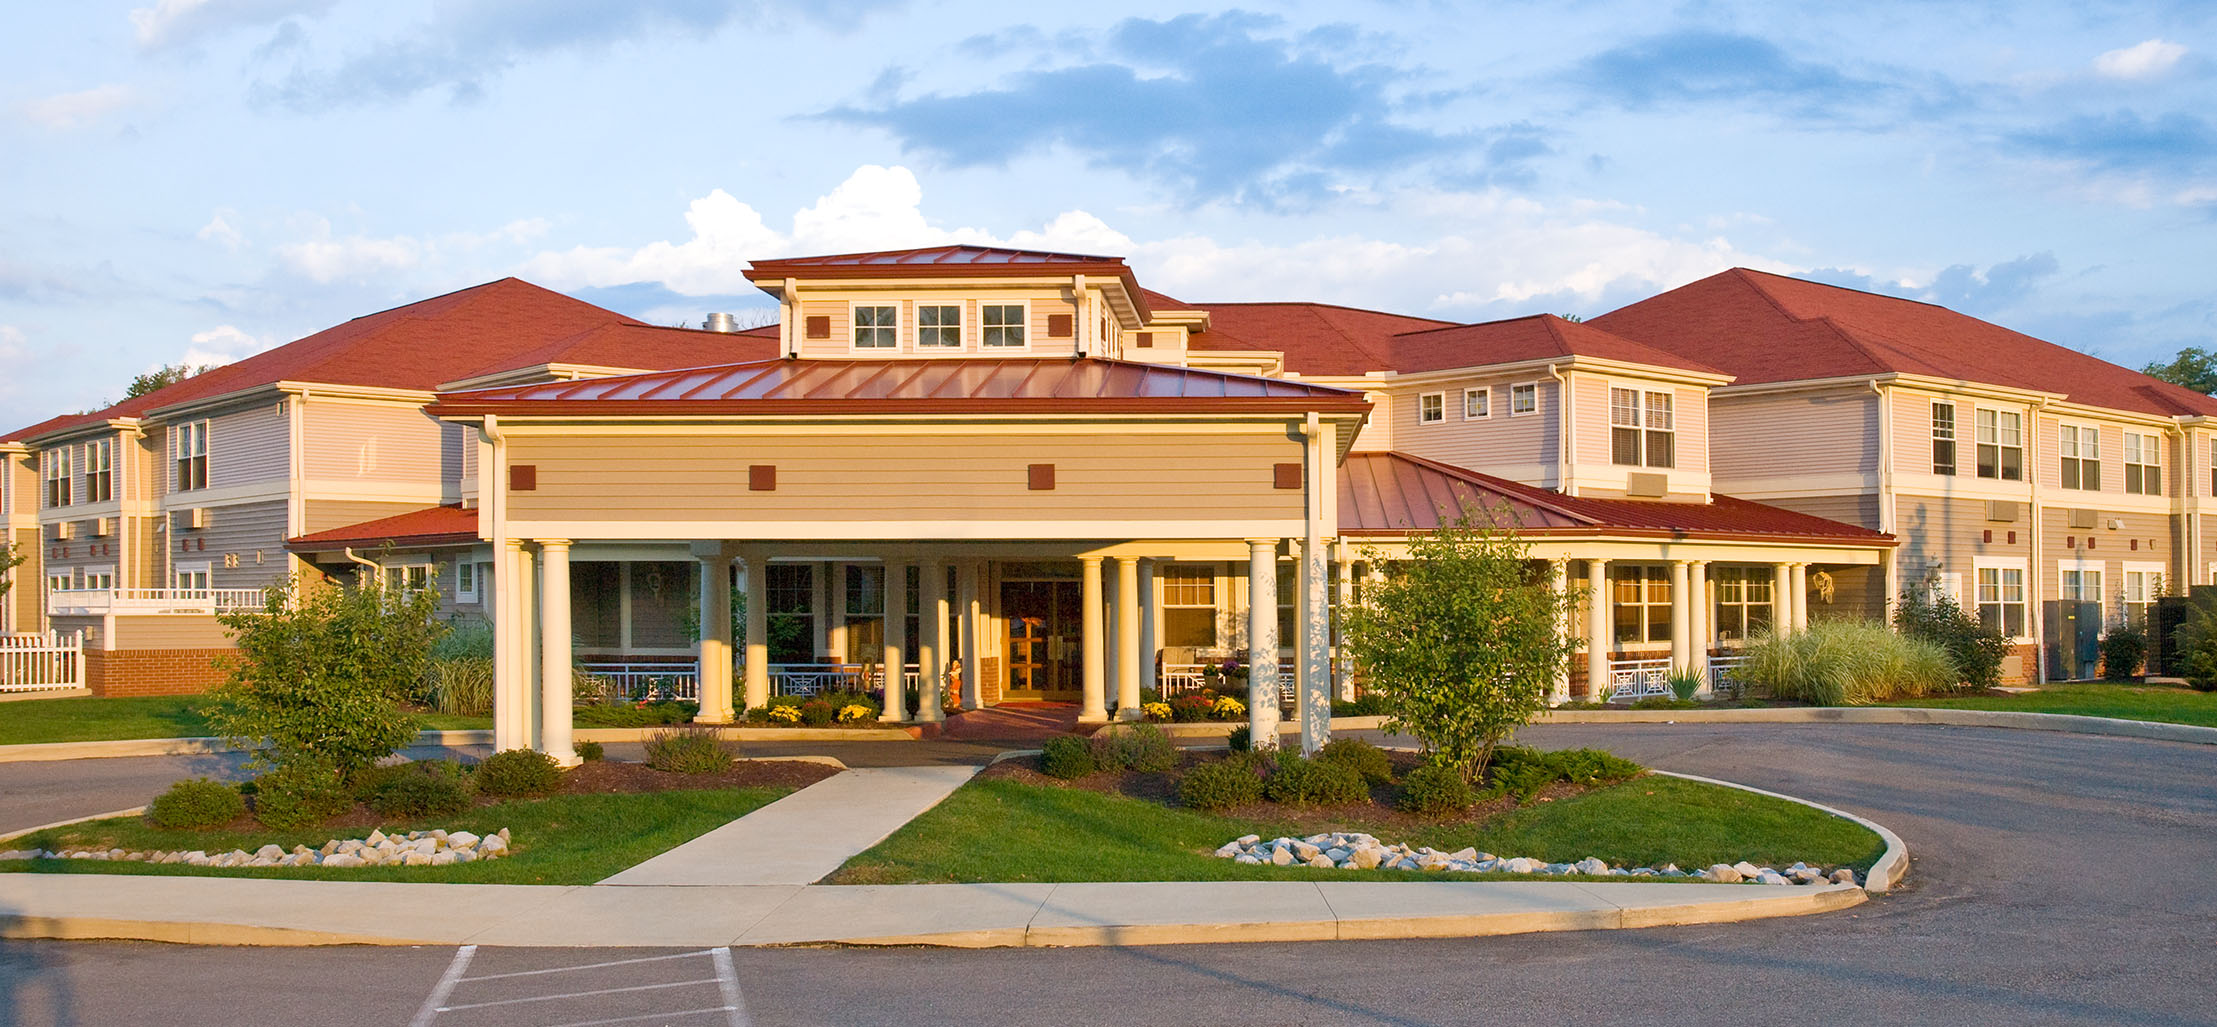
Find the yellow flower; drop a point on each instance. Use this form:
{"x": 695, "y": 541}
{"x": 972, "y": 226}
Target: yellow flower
{"x": 785, "y": 714}
{"x": 1156, "y": 710}
{"x": 1229, "y": 707}
{"x": 853, "y": 712}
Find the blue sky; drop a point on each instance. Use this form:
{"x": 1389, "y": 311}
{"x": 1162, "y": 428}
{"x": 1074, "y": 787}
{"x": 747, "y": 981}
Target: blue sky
{"x": 198, "y": 179}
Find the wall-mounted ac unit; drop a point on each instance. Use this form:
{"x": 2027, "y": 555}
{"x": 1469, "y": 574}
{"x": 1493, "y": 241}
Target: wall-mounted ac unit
{"x": 2083, "y": 518}
{"x": 2002, "y": 510}
{"x": 65, "y": 530}
{"x": 191, "y": 520}
{"x": 103, "y": 527}
{"x": 2116, "y": 524}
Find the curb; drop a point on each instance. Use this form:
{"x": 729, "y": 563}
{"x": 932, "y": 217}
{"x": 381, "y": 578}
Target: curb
{"x": 33, "y": 752}
{"x": 132, "y": 812}
{"x": 1886, "y": 871}
{"x": 2008, "y": 719}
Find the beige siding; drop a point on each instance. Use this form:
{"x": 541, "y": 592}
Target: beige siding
{"x": 172, "y": 631}
{"x": 345, "y": 441}
{"x": 149, "y": 452}
{"x": 840, "y": 311}
{"x": 326, "y": 514}
{"x": 1784, "y": 434}
{"x": 250, "y": 445}
{"x": 251, "y": 534}
{"x": 1947, "y": 533}
{"x": 26, "y": 596}
{"x": 1589, "y": 409}
{"x": 2110, "y": 547}
{"x": 906, "y": 477}
{"x": 1524, "y": 447}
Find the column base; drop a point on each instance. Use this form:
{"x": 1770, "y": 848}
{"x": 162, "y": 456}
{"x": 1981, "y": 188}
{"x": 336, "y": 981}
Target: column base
{"x": 569, "y": 761}
{"x": 1134, "y": 713}
{"x": 713, "y": 717}
{"x": 1093, "y": 717}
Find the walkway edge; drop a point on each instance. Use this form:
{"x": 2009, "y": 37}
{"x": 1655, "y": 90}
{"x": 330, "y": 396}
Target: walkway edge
{"x": 1887, "y": 871}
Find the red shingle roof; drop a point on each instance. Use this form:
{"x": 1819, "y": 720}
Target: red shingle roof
{"x": 1395, "y": 493}
{"x": 1316, "y": 338}
{"x": 1538, "y": 337}
{"x": 909, "y": 386}
{"x": 438, "y": 525}
{"x": 1762, "y": 327}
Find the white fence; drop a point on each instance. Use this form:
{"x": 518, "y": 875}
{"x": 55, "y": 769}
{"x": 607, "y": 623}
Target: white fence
{"x": 1638, "y": 679}
{"x": 1181, "y": 678}
{"x": 634, "y": 682}
{"x": 38, "y": 663}
{"x": 94, "y": 602}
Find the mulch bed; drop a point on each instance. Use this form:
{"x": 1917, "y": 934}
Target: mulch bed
{"x": 607, "y": 777}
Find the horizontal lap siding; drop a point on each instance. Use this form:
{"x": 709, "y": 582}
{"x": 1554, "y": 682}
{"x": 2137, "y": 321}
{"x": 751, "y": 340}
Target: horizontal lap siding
{"x": 865, "y": 478}
{"x": 1780, "y": 434}
{"x": 1494, "y": 441}
{"x": 253, "y": 532}
{"x": 326, "y": 514}
{"x": 245, "y": 446}
{"x": 376, "y": 442}
{"x": 175, "y": 631}
{"x": 1948, "y": 533}
{"x": 2153, "y": 531}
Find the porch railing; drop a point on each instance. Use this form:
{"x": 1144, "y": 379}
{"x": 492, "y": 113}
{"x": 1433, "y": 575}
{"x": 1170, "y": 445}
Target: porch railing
{"x": 1638, "y": 679}
{"x": 633, "y": 682}
{"x": 1182, "y": 678}
{"x": 41, "y": 662}
{"x": 1724, "y": 669}
{"x": 94, "y": 602}
{"x": 817, "y": 678}
{"x": 636, "y": 682}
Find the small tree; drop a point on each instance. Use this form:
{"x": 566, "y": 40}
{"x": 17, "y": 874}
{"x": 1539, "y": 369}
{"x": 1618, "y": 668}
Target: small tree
{"x": 9, "y": 561}
{"x": 317, "y": 685}
{"x": 1462, "y": 641}
{"x": 1975, "y": 648}
{"x": 161, "y": 378}
{"x": 2197, "y": 641}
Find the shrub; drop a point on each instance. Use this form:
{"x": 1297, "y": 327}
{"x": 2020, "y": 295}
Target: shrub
{"x": 2123, "y": 650}
{"x": 517, "y": 773}
{"x": 1191, "y": 707}
{"x": 1299, "y": 781}
{"x": 1068, "y": 757}
{"x": 591, "y": 752}
{"x": 299, "y": 795}
{"x": 1433, "y": 790}
{"x": 1974, "y": 649}
{"x": 1240, "y": 739}
{"x": 2197, "y": 641}
{"x": 648, "y": 714}
{"x": 1369, "y": 704}
{"x": 1664, "y": 702}
{"x": 1523, "y": 780}
{"x": 690, "y": 750}
{"x": 817, "y": 712}
{"x": 461, "y": 685}
{"x": 1140, "y": 747}
{"x": 196, "y": 804}
{"x": 1847, "y": 663}
{"x": 1685, "y": 685}
{"x": 434, "y": 788}
{"x": 1363, "y": 758}
{"x": 1220, "y": 785}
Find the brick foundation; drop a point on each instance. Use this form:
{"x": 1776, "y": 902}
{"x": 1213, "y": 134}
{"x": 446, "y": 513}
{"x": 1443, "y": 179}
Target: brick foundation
{"x": 153, "y": 671}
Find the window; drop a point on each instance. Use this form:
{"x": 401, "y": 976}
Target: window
{"x": 1004, "y": 325}
{"x": 192, "y": 456}
{"x": 1477, "y": 403}
{"x": 54, "y": 466}
{"x": 877, "y": 327}
{"x": 1189, "y": 605}
{"x": 2143, "y": 464}
{"x": 2142, "y": 586}
{"x": 465, "y": 581}
{"x": 2213, "y": 467}
{"x": 1943, "y": 438}
{"x": 1743, "y": 601}
{"x": 939, "y": 326}
{"x": 1642, "y": 431}
{"x": 1641, "y": 607}
{"x": 1524, "y": 398}
{"x": 99, "y": 475}
{"x": 99, "y": 579}
{"x": 2001, "y": 598}
{"x": 1431, "y": 408}
{"x": 790, "y": 591}
{"x": 58, "y": 583}
{"x": 2081, "y": 451}
{"x": 409, "y": 577}
{"x": 865, "y": 604}
{"x": 193, "y": 577}
{"x": 2080, "y": 585}
{"x": 2001, "y": 446}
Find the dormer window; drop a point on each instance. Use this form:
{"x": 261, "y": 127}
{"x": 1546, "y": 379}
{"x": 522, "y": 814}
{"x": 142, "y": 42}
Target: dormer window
{"x": 1003, "y": 324}
{"x": 877, "y": 327}
{"x": 938, "y": 326}
{"x": 1642, "y": 432}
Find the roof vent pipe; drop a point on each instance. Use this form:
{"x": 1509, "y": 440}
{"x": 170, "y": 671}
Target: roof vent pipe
{"x": 720, "y": 322}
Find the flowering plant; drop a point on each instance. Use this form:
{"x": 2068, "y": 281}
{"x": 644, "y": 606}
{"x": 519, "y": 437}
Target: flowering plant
{"x": 1157, "y": 710}
{"x": 785, "y": 714}
{"x": 852, "y": 712}
{"x": 1228, "y": 708}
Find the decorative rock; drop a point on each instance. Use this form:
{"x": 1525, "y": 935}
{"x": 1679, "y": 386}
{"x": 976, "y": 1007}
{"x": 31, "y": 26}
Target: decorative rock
{"x": 1591, "y": 865}
{"x": 343, "y": 859}
{"x": 268, "y": 852}
{"x": 416, "y": 859}
{"x": 1843, "y": 876}
{"x": 1282, "y": 857}
{"x": 496, "y": 845}
{"x": 1770, "y": 877}
{"x": 1747, "y": 869}
{"x": 1365, "y": 858}
{"x": 1321, "y": 860}
{"x": 1227, "y": 850}
{"x": 376, "y": 837}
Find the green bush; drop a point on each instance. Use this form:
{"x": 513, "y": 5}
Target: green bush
{"x": 1240, "y": 739}
{"x": 1433, "y": 790}
{"x": 2123, "y": 650}
{"x": 1847, "y": 663}
{"x": 1975, "y": 650}
{"x": 817, "y": 713}
{"x": 1299, "y": 781}
{"x": 1140, "y": 747}
{"x": 1220, "y": 785}
{"x": 298, "y": 796}
{"x": 690, "y": 750}
{"x": 1068, "y": 757}
{"x": 460, "y": 685}
{"x": 1664, "y": 702}
{"x": 1363, "y": 758}
{"x": 519, "y": 773}
{"x": 431, "y": 788}
{"x": 2196, "y": 658}
{"x": 1685, "y": 685}
{"x": 1523, "y": 780}
{"x": 196, "y": 804}
{"x": 591, "y": 752}
{"x": 1369, "y": 704}
{"x": 635, "y": 714}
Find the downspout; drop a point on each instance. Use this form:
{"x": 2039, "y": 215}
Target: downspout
{"x": 1566, "y": 463}
{"x": 376, "y": 572}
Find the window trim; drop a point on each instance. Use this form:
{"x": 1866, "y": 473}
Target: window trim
{"x": 1643, "y": 428}
{"x": 405, "y": 564}
{"x": 1952, "y": 439}
{"x": 2024, "y": 587}
{"x": 1024, "y": 322}
{"x": 2152, "y": 461}
{"x": 962, "y": 330}
{"x": 1532, "y": 385}
{"x": 204, "y": 568}
{"x": 102, "y": 471}
{"x": 467, "y": 571}
{"x": 190, "y": 443}
{"x": 1978, "y": 436}
{"x": 2079, "y": 434}
{"x": 854, "y": 327}
{"x": 1485, "y": 394}
{"x": 1650, "y": 575}
{"x": 1441, "y": 397}
{"x": 1206, "y": 576}
{"x": 2157, "y": 572}
{"x": 55, "y": 464}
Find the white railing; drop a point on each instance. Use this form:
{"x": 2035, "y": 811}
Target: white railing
{"x": 1638, "y": 679}
{"x": 94, "y": 602}
{"x": 38, "y": 663}
{"x": 818, "y": 678}
{"x": 634, "y": 682}
{"x": 1181, "y": 678}
{"x": 1723, "y": 668}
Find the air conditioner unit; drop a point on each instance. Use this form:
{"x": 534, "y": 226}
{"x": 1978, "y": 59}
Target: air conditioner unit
{"x": 2083, "y": 518}
{"x": 65, "y": 530}
{"x": 103, "y": 527}
{"x": 192, "y": 520}
{"x": 2116, "y": 524}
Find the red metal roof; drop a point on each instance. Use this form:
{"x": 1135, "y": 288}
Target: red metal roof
{"x": 438, "y": 525}
{"x": 959, "y": 261}
{"x": 1395, "y": 493}
{"x": 1762, "y": 327}
{"x": 909, "y": 386}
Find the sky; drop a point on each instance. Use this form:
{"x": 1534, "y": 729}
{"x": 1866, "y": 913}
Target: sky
{"x": 197, "y": 180}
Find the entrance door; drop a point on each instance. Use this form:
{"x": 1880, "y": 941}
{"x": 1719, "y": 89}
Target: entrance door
{"x": 1043, "y": 639}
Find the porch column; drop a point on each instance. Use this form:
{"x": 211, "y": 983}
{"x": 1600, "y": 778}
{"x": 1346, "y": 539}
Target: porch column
{"x": 527, "y": 648}
{"x": 1681, "y": 614}
{"x": 1312, "y": 622}
{"x": 835, "y": 613}
{"x": 1127, "y": 638}
{"x": 1150, "y": 609}
{"x": 715, "y": 645}
{"x": 931, "y": 650}
{"x": 509, "y": 684}
{"x": 757, "y": 691}
{"x": 555, "y": 658}
{"x": 819, "y": 605}
{"x": 967, "y": 575}
{"x": 1343, "y": 668}
{"x": 1095, "y": 710}
{"x": 895, "y": 621}
{"x": 1703, "y": 629}
{"x": 1801, "y": 597}
{"x": 1782, "y": 599}
{"x": 1597, "y": 628}
{"x": 1262, "y": 642}
{"x": 1559, "y": 580}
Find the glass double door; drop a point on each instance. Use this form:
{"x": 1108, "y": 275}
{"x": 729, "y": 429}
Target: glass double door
{"x": 1043, "y": 631}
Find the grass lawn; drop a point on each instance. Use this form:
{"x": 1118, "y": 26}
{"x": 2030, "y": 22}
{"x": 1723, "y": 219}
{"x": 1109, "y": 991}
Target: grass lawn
{"x": 2168, "y": 703}
{"x": 94, "y": 718}
{"x": 1002, "y": 830}
{"x": 566, "y": 839}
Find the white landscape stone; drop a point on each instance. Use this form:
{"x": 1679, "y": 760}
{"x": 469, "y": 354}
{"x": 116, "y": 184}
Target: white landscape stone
{"x": 1352, "y": 851}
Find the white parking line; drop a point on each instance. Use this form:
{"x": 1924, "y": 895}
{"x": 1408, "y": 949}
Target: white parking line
{"x": 576, "y": 994}
{"x": 642, "y": 1016}
{"x": 586, "y": 966}
{"x": 726, "y": 980}
{"x": 453, "y": 976}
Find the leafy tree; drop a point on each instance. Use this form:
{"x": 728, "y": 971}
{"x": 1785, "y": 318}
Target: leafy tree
{"x": 2194, "y": 367}
{"x": 1461, "y": 641}
{"x": 162, "y": 378}
{"x": 2197, "y": 641}
{"x": 1974, "y": 648}
{"x": 9, "y": 561}
{"x": 316, "y": 687}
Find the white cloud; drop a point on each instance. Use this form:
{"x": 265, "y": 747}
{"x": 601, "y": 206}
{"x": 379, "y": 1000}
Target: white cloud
{"x": 72, "y": 110}
{"x": 171, "y": 22}
{"x": 2141, "y": 60}
{"x": 325, "y": 259}
{"x": 14, "y": 345}
{"x": 222, "y": 344}
{"x": 218, "y": 230}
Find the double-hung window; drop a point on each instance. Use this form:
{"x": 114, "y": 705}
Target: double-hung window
{"x": 2001, "y": 599}
{"x": 99, "y": 579}
{"x": 1641, "y": 607}
{"x": 1524, "y": 398}
{"x": 1431, "y": 408}
{"x": 1642, "y": 430}
{"x": 2080, "y": 449}
{"x": 790, "y": 590}
{"x": 877, "y": 327}
{"x": 193, "y": 577}
{"x": 1743, "y": 601}
{"x": 2140, "y": 592}
{"x": 938, "y": 326}
{"x": 2001, "y": 445}
{"x": 407, "y": 578}
{"x": 99, "y": 470}
{"x": 1189, "y": 605}
{"x": 1003, "y": 325}
{"x": 1943, "y": 438}
{"x": 192, "y": 456}
{"x": 1477, "y": 403}
{"x": 2143, "y": 464}
{"x": 465, "y": 581}
{"x": 54, "y": 467}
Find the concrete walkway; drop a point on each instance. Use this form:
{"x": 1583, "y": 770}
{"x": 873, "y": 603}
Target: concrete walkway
{"x": 800, "y": 838}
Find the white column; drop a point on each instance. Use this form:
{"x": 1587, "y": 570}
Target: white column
{"x": 1150, "y": 609}
{"x": 819, "y": 604}
{"x": 1597, "y": 628}
{"x": 931, "y": 650}
{"x": 527, "y": 623}
{"x": 1703, "y": 629}
{"x": 1262, "y": 642}
{"x": 1095, "y": 710}
{"x": 895, "y": 618}
{"x": 835, "y": 632}
{"x": 967, "y": 576}
{"x": 757, "y": 691}
{"x": 714, "y": 564}
{"x": 1343, "y": 671}
{"x": 1681, "y": 617}
{"x": 1127, "y": 638}
{"x": 509, "y": 683}
{"x": 1801, "y": 597}
{"x": 555, "y": 658}
{"x": 1559, "y": 580}
{"x": 1312, "y": 706}
{"x": 1782, "y": 599}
